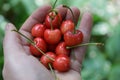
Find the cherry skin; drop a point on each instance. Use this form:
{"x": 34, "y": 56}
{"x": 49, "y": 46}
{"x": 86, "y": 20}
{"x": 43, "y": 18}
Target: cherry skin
{"x": 67, "y": 25}
{"x": 52, "y": 36}
{"x": 72, "y": 39}
{"x": 61, "y": 49}
{"x": 40, "y": 43}
{"x": 38, "y": 30}
{"x": 45, "y": 60}
{"x": 52, "y": 47}
{"x": 54, "y": 19}
{"x": 62, "y": 63}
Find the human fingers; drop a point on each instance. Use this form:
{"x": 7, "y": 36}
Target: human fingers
{"x": 85, "y": 27}
{"x": 73, "y": 17}
{"x": 12, "y": 43}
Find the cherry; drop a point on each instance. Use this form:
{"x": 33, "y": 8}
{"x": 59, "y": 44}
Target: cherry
{"x": 38, "y": 30}
{"x": 62, "y": 63}
{"x": 45, "y": 60}
{"x": 72, "y": 39}
{"x": 41, "y": 44}
{"x": 67, "y": 25}
{"x": 52, "y": 36}
{"x": 61, "y": 49}
{"x": 52, "y": 47}
{"x": 53, "y": 19}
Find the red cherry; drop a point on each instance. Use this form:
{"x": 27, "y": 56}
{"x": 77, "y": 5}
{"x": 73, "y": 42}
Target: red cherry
{"x": 52, "y": 36}
{"x": 54, "y": 19}
{"x": 38, "y": 30}
{"x": 61, "y": 49}
{"x": 72, "y": 39}
{"x": 67, "y": 25}
{"x": 52, "y": 47}
{"x": 40, "y": 43}
{"x": 45, "y": 60}
{"x": 62, "y": 63}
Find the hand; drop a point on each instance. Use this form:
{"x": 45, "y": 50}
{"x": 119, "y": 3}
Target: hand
{"x": 19, "y": 64}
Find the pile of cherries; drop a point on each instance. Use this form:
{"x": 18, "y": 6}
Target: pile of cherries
{"x": 51, "y": 40}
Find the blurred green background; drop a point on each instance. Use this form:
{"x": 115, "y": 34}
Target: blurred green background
{"x": 101, "y": 63}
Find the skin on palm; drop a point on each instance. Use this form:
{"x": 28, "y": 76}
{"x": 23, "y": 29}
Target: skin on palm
{"x": 19, "y": 65}
{"x": 18, "y": 59}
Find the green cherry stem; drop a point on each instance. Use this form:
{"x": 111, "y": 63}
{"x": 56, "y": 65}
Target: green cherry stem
{"x": 43, "y": 53}
{"x": 53, "y": 10}
{"x": 29, "y": 40}
{"x": 52, "y": 71}
{"x": 54, "y": 4}
{"x": 85, "y": 44}
{"x": 33, "y": 44}
{"x": 70, "y": 11}
{"x": 72, "y": 16}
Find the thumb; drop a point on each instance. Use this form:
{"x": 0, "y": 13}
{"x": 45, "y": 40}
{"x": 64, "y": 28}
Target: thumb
{"x": 12, "y": 43}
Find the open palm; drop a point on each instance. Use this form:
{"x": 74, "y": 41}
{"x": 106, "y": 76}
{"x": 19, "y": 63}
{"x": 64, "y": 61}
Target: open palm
{"x": 19, "y": 64}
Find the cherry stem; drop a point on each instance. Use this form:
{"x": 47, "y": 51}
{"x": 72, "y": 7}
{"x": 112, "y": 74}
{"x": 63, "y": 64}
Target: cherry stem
{"x": 29, "y": 40}
{"x": 52, "y": 17}
{"x": 54, "y": 4}
{"x": 53, "y": 10}
{"x": 70, "y": 11}
{"x": 43, "y": 53}
{"x": 85, "y": 44}
{"x": 72, "y": 15}
{"x": 53, "y": 72}
{"x": 51, "y": 24}
{"x": 33, "y": 44}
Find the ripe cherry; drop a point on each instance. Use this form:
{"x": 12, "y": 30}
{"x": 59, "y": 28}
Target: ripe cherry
{"x": 38, "y": 30}
{"x": 45, "y": 60}
{"x": 52, "y": 47}
{"x": 62, "y": 63}
{"x": 61, "y": 49}
{"x": 72, "y": 39}
{"x": 67, "y": 25}
{"x": 52, "y": 36}
{"x": 40, "y": 43}
{"x": 53, "y": 19}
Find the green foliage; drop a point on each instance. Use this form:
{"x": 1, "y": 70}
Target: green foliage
{"x": 115, "y": 72}
{"x": 95, "y": 66}
{"x": 113, "y": 45}
{"x": 101, "y": 63}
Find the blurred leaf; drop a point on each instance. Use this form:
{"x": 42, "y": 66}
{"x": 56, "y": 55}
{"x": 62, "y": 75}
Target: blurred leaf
{"x": 115, "y": 73}
{"x": 95, "y": 67}
{"x": 17, "y": 14}
{"x": 97, "y": 18}
{"x": 13, "y": 3}
{"x": 1, "y": 4}
{"x": 2, "y": 27}
{"x": 20, "y": 10}
{"x": 29, "y": 5}
{"x": 113, "y": 45}
{"x": 1, "y": 67}
{"x": 102, "y": 28}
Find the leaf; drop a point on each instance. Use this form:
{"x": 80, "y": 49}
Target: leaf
{"x": 96, "y": 66}
{"x": 1, "y": 4}
{"x": 100, "y": 29}
{"x": 29, "y": 5}
{"x": 113, "y": 45}
{"x": 115, "y": 72}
